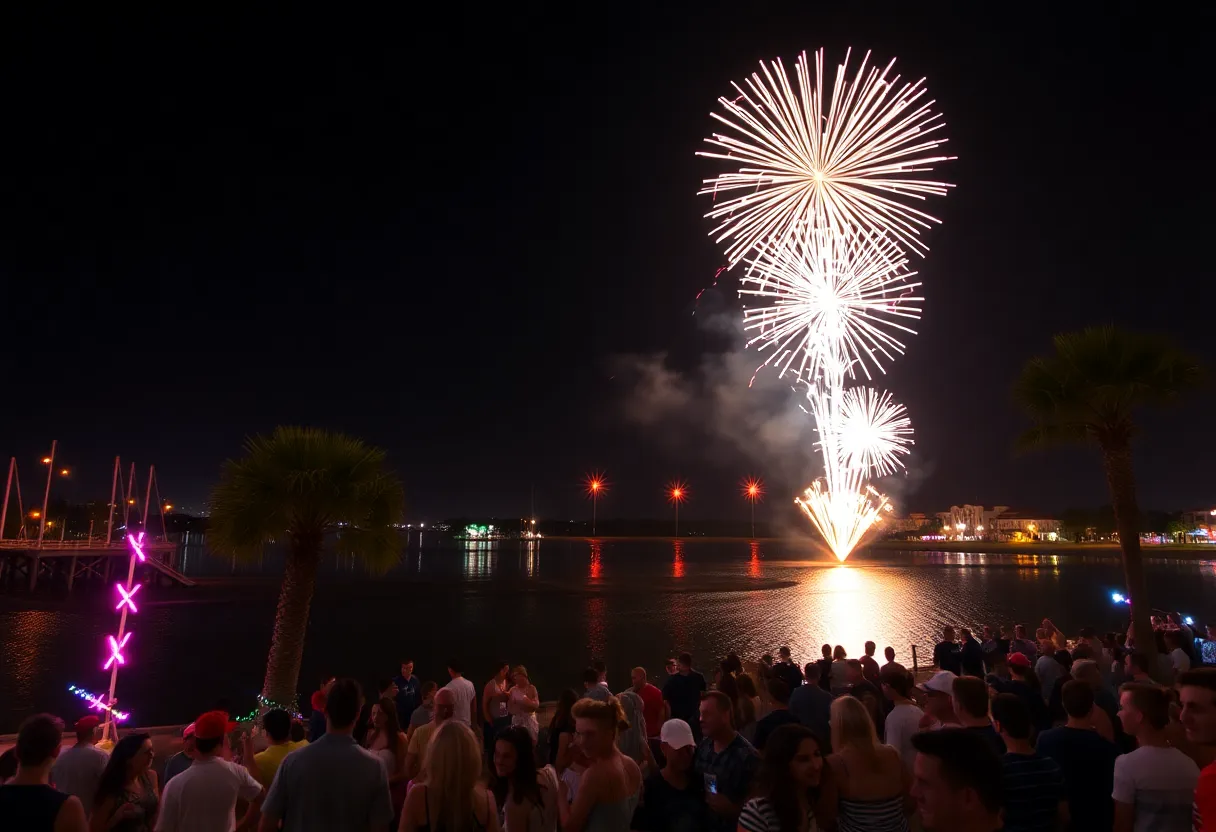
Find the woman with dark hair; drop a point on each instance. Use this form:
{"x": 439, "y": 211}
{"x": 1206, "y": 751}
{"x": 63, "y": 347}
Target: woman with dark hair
{"x": 527, "y": 797}
{"x": 748, "y": 705}
{"x": 127, "y": 796}
{"x": 561, "y": 731}
{"x": 728, "y": 684}
{"x": 788, "y": 783}
{"x": 386, "y": 740}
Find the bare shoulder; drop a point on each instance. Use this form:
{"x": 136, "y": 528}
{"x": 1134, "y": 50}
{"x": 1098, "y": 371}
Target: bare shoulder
{"x": 633, "y": 772}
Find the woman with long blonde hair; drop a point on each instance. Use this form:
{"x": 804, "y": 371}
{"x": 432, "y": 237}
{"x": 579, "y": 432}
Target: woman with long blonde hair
{"x": 450, "y": 796}
{"x": 612, "y": 784}
{"x": 869, "y": 785}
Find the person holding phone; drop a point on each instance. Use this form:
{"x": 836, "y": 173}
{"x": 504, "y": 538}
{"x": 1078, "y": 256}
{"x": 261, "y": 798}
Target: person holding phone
{"x": 726, "y": 762}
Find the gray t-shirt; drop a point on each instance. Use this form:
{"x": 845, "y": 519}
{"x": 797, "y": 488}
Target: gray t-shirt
{"x": 77, "y": 771}
{"x": 1160, "y": 783}
{"x": 331, "y": 784}
{"x": 421, "y": 715}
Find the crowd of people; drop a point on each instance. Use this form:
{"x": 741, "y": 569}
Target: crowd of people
{"x": 1003, "y": 732}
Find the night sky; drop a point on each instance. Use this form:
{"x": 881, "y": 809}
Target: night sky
{"x": 462, "y": 235}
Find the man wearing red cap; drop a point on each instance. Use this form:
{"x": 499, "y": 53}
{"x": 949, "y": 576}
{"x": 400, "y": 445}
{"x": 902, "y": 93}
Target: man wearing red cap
{"x": 203, "y": 797}
{"x": 78, "y": 769}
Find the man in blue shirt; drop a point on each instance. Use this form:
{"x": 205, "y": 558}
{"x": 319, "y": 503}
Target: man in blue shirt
{"x": 1086, "y": 758}
{"x": 409, "y": 692}
{"x": 726, "y": 763}
{"x": 1033, "y": 784}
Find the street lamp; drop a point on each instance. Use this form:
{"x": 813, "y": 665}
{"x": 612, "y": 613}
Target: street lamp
{"x": 594, "y": 485}
{"x": 677, "y": 492}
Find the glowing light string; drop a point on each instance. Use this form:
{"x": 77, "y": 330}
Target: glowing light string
{"x": 118, "y": 642}
{"x": 98, "y": 703}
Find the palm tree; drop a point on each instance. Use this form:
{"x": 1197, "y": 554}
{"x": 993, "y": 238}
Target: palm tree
{"x": 1088, "y": 391}
{"x": 306, "y": 487}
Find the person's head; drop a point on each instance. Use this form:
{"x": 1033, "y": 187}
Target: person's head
{"x": 1173, "y": 640}
{"x": 562, "y": 714}
{"x": 596, "y": 724}
{"x": 455, "y": 668}
{"x": 1197, "y": 690}
{"x": 444, "y": 707}
{"x": 827, "y": 651}
{"x": 452, "y": 771}
{"x": 896, "y": 681}
{"x": 385, "y": 718}
{"x": 38, "y": 741}
{"x": 1041, "y": 635}
{"x": 428, "y": 693}
{"x": 733, "y": 663}
{"x": 970, "y": 697}
{"x": 277, "y": 724}
{"x": 591, "y": 678}
{"x": 965, "y": 633}
{"x": 1077, "y": 698}
{"x": 514, "y": 766}
{"x": 747, "y": 687}
{"x": 1136, "y": 664}
{"x": 870, "y": 648}
{"x": 939, "y": 696}
{"x": 519, "y": 676}
{"x": 766, "y": 660}
{"x": 851, "y": 724}
{"x": 189, "y": 747}
{"x": 1019, "y": 666}
{"x": 342, "y": 705}
{"x": 853, "y": 672}
{"x": 407, "y": 668}
{"x": 501, "y": 671}
{"x": 779, "y": 691}
{"x": 792, "y": 764}
{"x": 988, "y": 632}
{"x": 386, "y": 687}
{"x": 956, "y": 780}
{"x": 637, "y": 678}
{"x": 728, "y": 684}
{"x": 1143, "y": 708}
{"x": 670, "y": 667}
{"x": 298, "y": 732}
{"x": 601, "y": 668}
{"x": 1048, "y": 626}
{"x": 838, "y": 654}
{"x": 715, "y": 714}
{"x": 888, "y": 653}
{"x": 1011, "y": 717}
{"x": 1082, "y": 652}
{"x": 1019, "y": 631}
{"x": 1087, "y": 671}
{"x": 678, "y": 745}
{"x": 684, "y": 663}
{"x": 211, "y": 732}
{"x": 130, "y": 758}
{"x": 784, "y": 653}
{"x": 947, "y": 633}
{"x": 86, "y": 729}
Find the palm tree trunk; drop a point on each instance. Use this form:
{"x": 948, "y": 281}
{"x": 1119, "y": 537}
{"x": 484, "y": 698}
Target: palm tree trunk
{"x": 291, "y": 619}
{"x": 1122, "y": 482}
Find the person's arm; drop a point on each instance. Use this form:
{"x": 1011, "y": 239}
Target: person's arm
{"x": 1125, "y": 817}
{"x": 829, "y": 794}
{"x": 487, "y": 699}
{"x": 564, "y": 754}
{"x": 252, "y": 791}
{"x": 492, "y": 824}
{"x": 70, "y": 817}
{"x": 1124, "y": 795}
{"x": 574, "y": 815}
{"x": 399, "y": 772}
{"x": 166, "y": 812}
{"x": 474, "y": 722}
{"x": 274, "y": 803}
{"x": 109, "y": 814}
{"x": 1101, "y": 722}
{"x": 531, "y": 700}
{"x": 413, "y": 812}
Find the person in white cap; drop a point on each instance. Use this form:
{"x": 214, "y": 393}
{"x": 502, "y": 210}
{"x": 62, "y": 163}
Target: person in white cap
{"x": 673, "y": 797}
{"x": 939, "y": 701}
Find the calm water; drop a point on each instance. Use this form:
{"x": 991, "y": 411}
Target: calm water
{"x": 552, "y": 606}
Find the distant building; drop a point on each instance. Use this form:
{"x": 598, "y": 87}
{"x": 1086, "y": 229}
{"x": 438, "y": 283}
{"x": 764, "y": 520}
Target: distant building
{"x": 998, "y": 523}
{"x": 912, "y": 523}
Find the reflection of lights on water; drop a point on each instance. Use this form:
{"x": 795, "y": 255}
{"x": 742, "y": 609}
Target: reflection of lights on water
{"x": 677, "y": 562}
{"x": 753, "y": 563}
{"x": 597, "y": 566}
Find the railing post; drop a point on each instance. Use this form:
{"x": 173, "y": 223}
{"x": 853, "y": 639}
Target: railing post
{"x": 914, "y": 668}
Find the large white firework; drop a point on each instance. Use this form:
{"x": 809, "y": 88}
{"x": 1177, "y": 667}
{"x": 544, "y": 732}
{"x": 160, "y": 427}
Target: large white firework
{"x": 874, "y": 432}
{"x": 840, "y": 160}
{"x": 826, "y": 296}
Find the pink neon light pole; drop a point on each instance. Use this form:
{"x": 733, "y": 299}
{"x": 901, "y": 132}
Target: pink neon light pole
{"x": 118, "y": 642}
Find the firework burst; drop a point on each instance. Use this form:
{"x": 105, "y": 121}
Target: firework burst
{"x": 827, "y": 296}
{"x": 874, "y": 431}
{"x": 843, "y": 159}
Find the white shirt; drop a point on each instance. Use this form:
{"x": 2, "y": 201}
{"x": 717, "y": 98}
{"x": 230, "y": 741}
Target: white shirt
{"x": 1160, "y": 783}
{"x": 1180, "y": 660}
{"x": 203, "y": 797}
{"x": 902, "y": 723}
{"x": 77, "y": 771}
{"x": 464, "y": 692}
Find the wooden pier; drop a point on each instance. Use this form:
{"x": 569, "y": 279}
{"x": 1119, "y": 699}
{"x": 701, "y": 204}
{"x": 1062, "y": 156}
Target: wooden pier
{"x": 89, "y": 559}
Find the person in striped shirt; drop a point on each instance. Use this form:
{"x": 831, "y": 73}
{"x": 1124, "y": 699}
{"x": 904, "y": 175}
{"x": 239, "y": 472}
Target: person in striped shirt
{"x": 1033, "y": 784}
{"x": 787, "y": 783}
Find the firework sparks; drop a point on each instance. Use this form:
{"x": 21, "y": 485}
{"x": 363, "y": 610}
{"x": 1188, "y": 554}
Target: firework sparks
{"x": 839, "y": 159}
{"x": 842, "y": 515}
{"x": 874, "y": 432}
{"x": 829, "y": 297}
